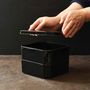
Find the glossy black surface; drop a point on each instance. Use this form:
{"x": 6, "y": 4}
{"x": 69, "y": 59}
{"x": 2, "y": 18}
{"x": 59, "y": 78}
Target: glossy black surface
{"x": 45, "y": 60}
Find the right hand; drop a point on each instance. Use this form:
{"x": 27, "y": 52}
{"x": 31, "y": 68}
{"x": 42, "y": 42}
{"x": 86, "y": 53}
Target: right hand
{"x": 71, "y": 22}
{"x": 44, "y": 23}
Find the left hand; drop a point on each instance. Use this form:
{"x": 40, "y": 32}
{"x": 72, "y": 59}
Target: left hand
{"x": 72, "y": 23}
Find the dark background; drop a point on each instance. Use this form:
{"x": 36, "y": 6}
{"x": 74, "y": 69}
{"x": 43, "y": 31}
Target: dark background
{"x": 16, "y": 15}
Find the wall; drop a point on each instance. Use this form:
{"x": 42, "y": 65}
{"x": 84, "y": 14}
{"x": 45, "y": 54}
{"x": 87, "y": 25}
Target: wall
{"x": 19, "y": 14}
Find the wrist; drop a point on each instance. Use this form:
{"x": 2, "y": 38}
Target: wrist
{"x": 85, "y": 14}
{"x": 74, "y": 6}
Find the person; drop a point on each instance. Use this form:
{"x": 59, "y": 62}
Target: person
{"x": 71, "y": 19}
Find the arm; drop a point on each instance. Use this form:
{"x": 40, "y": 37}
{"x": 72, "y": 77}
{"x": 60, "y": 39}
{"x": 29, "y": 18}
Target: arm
{"x": 73, "y": 20}
{"x": 83, "y": 3}
{"x": 52, "y": 22}
{"x": 62, "y": 15}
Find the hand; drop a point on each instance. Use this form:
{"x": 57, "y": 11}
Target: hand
{"x": 72, "y": 22}
{"x": 43, "y": 23}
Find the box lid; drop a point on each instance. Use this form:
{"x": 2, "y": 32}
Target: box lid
{"x": 39, "y": 33}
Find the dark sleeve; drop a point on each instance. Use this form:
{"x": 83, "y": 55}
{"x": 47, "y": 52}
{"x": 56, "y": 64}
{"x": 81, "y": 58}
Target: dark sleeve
{"x": 84, "y": 3}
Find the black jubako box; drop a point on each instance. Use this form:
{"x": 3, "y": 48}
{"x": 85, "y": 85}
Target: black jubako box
{"x": 45, "y": 59}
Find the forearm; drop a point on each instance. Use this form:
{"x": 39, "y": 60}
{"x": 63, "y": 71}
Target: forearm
{"x": 86, "y": 12}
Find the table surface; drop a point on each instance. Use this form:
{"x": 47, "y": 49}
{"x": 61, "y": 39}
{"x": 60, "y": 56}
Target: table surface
{"x": 12, "y": 78}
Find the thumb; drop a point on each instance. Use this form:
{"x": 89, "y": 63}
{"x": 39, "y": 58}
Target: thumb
{"x": 61, "y": 20}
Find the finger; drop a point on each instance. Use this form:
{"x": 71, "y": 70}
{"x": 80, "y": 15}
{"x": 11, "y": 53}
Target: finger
{"x": 34, "y": 25}
{"x": 30, "y": 28}
{"x": 40, "y": 26}
{"x": 68, "y": 28}
{"x": 76, "y": 28}
{"x": 61, "y": 21}
{"x": 73, "y": 33}
{"x": 66, "y": 21}
{"x": 71, "y": 30}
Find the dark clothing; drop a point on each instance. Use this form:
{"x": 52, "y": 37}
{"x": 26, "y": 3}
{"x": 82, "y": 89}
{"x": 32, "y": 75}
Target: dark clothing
{"x": 84, "y": 3}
